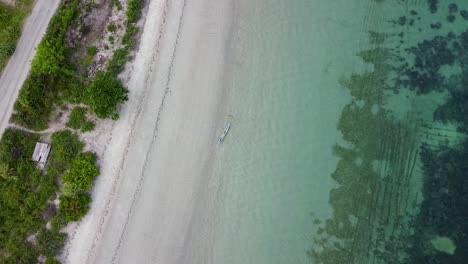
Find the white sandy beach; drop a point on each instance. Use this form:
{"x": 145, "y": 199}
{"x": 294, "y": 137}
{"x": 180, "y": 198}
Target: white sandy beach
{"x": 158, "y": 153}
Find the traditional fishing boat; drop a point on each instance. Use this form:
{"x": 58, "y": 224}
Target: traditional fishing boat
{"x": 225, "y": 131}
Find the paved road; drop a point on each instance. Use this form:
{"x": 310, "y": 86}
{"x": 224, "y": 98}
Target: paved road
{"x": 19, "y": 65}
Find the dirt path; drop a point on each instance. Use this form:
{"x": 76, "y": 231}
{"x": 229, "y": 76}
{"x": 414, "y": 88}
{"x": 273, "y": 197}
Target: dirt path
{"x": 19, "y": 65}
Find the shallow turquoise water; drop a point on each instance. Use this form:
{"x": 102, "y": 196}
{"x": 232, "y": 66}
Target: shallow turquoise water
{"x": 284, "y": 188}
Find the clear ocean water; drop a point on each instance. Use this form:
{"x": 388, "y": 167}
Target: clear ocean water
{"x": 348, "y": 135}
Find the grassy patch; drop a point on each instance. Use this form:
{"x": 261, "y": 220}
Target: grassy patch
{"x": 11, "y": 21}
{"x": 91, "y": 51}
{"x": 77, "y": 120}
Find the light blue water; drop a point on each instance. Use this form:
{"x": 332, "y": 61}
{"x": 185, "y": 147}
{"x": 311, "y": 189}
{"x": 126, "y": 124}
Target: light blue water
{"x": 281, "y": 192}
{"x": 285, "y": 101}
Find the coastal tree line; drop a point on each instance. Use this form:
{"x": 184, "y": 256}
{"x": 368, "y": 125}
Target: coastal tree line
{"x": 30, "y": 222}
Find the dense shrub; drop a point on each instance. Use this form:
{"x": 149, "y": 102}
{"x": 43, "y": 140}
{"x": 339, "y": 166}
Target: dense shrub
{"x": 49, "y": 57}
{"x": 50, "y": 242}
{"x": 77, "y": 120}
{"x": 128, "y": 39}
{"x": 81, "y": 175}
{"x": 74, "y": 208}
{"x": 52, "y": 261}
{"x": 87, "y": 126}
{"x": 51, "y": 51}
{"x": 71, "y": 89}
{"x": 33, "y": 106}
{"x": 111, "y": 27}
{"x": 91, "y": 51}
{"x": 104, "y": 95}
{"x": 23, "y": 195}
{"x": 134, "y": 10}
{"x": 65, "y": 147}
{"x": 16, "y": 147}
{"x": 117, "y": 63}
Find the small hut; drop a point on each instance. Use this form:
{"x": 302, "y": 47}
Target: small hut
{"x": 41, "y": 152}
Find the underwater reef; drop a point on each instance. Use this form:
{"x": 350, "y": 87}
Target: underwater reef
{"x": 402, "y": 184}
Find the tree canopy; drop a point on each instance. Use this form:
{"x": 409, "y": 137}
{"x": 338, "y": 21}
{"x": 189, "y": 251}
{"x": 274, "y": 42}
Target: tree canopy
{"x": 49, "y": 57}
{"x": 81, "y": 175}
{"x": 104, "y": 95}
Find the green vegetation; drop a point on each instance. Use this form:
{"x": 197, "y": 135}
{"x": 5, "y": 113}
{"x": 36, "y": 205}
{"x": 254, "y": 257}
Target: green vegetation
{"x": 91, "y": 51}
{"x": 121, "y": 56}
{"x": 50, "y": 242}
{"x": 67, "y": 146}
{"x": 50, "y": 74}
{"x": 81, "y": 175}
{"x": 50, "y": 58}
{"x": 104, "y": 94}
{"x": 52, "y": 261}
{"x": 134, "y": 10}
{"x": 111, "y": 39}
{"x": 26, "y": 193}
{"x": 53, "y": 77}
{"x": 368, "y": 166}
{"x": 11, "y": 21}
{"x": 34, "y": 102}
{"x": 115, "y": 3}
{"x": 87, "y": 126}
{"x": 78, "y": 120}
{"x": 74, "y": 208}
{"x": 111, "y": 27}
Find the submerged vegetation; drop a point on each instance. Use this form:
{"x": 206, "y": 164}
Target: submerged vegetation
{"x": 402, "y": 181}
{"x": 37, "y": 204}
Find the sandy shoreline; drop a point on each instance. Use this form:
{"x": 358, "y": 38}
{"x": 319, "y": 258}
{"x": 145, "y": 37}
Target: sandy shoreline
{"x": 156, "y": 157}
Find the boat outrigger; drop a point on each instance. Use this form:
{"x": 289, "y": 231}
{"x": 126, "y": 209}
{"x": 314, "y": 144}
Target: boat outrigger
{"x": 225, "y": 131}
